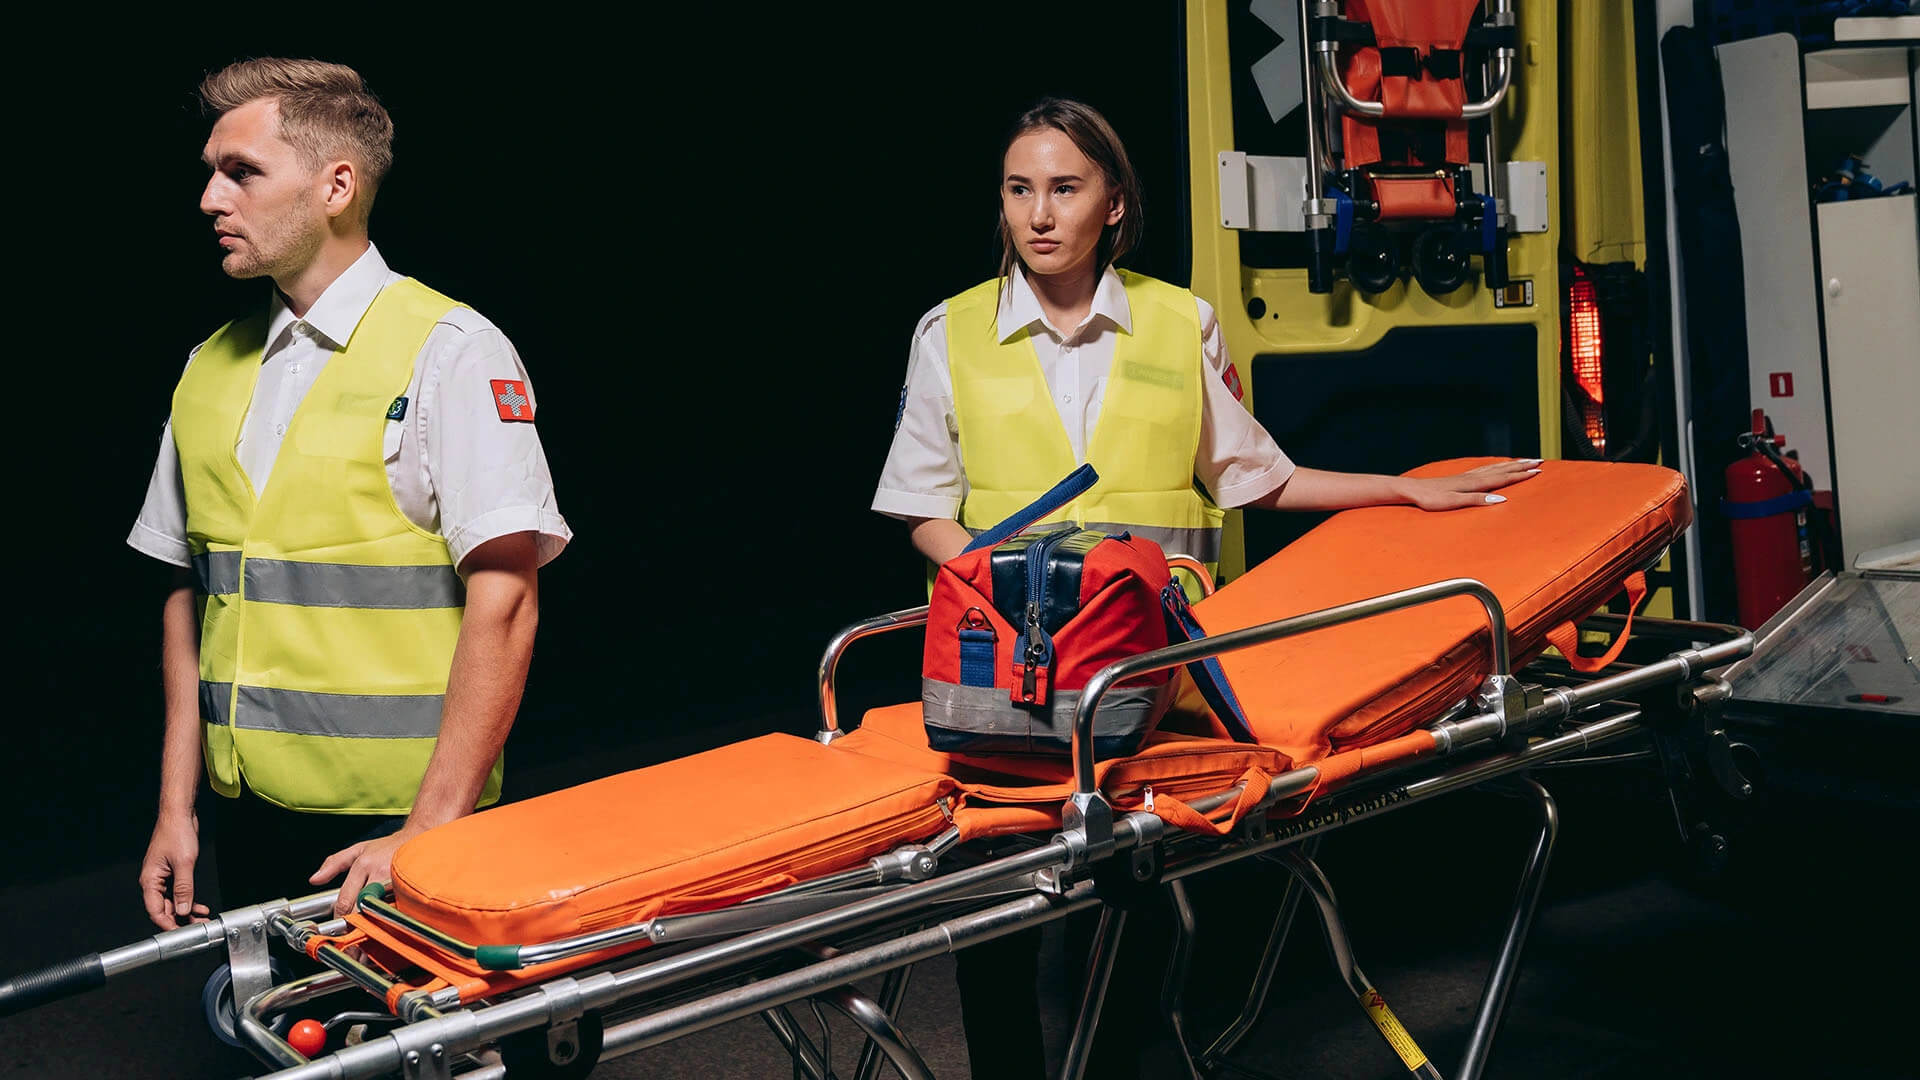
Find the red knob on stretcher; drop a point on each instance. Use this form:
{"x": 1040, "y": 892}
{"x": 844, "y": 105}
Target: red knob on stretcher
{"x": 307, "y": 1036}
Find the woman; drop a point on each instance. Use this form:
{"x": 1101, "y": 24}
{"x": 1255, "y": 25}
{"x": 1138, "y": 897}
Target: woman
{"x": 1008, "y": 383}
{"x": 1063, "y": 359}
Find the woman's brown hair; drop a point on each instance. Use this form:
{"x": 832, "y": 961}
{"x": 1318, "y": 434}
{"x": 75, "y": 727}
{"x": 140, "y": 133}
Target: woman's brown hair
{"x": 1095, "y": 138}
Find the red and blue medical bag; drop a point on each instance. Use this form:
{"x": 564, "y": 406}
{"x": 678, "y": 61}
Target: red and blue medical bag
{"x": 1021, "y": 620}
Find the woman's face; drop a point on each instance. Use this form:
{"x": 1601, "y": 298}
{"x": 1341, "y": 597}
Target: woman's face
{"x": 1056, "y": 202}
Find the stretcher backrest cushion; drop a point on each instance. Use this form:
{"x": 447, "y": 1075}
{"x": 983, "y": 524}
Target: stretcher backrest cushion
{"x": 1555, "y": 551}
{"x": 684, "y": 835}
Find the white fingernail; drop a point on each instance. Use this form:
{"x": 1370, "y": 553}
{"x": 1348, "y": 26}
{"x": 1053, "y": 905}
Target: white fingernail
{"x": 1531, "y": 461}
{"x": 1530, "y": 472}
{"x": 1496, "y": 498}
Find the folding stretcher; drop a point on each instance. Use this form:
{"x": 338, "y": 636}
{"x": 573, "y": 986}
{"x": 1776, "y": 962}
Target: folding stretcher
{"x": 1390, "y": 115}
{"x": 626, "y": 912}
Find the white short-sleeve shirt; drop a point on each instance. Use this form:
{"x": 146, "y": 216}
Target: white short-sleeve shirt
{"x": 457, "y": 469}
{"x": 1237, "y": 461}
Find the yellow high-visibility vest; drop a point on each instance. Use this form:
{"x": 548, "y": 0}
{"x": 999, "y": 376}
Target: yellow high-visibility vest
{"x": 328, "y": 619}
{"x": 1014, "y": 446}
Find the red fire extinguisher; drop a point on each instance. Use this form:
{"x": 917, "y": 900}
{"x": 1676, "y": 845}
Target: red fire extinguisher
{"x": 1766, "y": 505}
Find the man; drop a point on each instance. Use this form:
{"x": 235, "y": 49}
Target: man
{"x": 351, "y": 486}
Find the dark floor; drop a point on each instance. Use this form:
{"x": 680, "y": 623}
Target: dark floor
{"x": 1798, "y": 960}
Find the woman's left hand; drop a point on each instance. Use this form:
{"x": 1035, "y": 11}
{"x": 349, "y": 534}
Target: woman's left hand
{"x": 1469, "y": 488}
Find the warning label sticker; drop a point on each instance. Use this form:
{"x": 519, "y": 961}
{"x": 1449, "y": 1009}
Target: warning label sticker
{"x": 1395, "y": 1035}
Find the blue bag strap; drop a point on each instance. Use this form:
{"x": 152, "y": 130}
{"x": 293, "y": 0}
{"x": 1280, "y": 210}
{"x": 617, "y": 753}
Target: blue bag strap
{"x": 1207, "y": 674}
{"x": 1077, "y": 483}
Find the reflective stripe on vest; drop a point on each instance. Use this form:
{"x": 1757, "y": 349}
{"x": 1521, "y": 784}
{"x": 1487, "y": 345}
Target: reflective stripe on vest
{"x": 297, "y": 712}
{"x": 218, "y": 572}
{"x": 1015, "y": 447}
{"x": 1202, "y": 545}
{"x": 278, "y": 581}
{"x": 329, "y": 620}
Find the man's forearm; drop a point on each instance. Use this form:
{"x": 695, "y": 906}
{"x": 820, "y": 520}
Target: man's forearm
{"x": 1316, "y": 489}
{"x": 484, "y": 685}
{"x": 180, "y": 686}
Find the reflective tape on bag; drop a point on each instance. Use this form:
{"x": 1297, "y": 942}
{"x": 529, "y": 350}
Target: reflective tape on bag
{"x": 986, "y": 711}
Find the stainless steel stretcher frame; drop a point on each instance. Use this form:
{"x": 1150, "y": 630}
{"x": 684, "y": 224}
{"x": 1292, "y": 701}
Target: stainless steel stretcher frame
{"x": 810, "y": 942}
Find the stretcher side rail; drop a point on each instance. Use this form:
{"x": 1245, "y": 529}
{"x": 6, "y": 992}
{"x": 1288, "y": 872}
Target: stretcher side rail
{"x": 1088, "y": 816}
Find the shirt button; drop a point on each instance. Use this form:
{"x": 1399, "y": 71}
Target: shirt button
{"x": 1067, "y": 398}
{"x": 293, "y": 368}
{"x": 279, "y": 429}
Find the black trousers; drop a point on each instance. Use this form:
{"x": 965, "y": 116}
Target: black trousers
{"x": 1000, "y": 1005}
{"x": 1000, "y": 1000}
{"x": 263, "y": 852}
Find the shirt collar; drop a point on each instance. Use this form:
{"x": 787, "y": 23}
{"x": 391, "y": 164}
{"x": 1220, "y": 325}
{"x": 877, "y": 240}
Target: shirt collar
{"x": 343, "y": 304}
{"x": 1020, "y": 308}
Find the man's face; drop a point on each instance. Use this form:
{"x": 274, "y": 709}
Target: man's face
{"x": 267, "y": 205}
{"x": 1056, "y": 202}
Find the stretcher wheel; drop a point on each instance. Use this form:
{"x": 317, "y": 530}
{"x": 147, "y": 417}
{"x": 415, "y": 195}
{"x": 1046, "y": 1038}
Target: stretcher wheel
{"x": 1440, "y": 260}
{"x": 216, "y": 1001}
{"x": 534, "y": 1054}
{"x": 1373, "y": 258}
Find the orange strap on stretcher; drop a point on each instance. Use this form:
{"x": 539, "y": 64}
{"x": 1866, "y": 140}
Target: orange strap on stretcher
{"x": 1566, "y": 636}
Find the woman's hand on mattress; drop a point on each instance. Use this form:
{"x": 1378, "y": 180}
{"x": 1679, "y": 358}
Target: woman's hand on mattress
{"x": 1470, "y": 488}
{"x": 368, "y": 860}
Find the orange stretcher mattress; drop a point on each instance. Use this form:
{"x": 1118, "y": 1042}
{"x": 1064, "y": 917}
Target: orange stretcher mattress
{"x": 1562, "y": 544}
{"x": 743, "y": 820}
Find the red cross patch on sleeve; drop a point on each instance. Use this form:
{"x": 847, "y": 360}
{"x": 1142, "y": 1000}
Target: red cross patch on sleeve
{"x": 1231, "y": 377}
{"x": 510, "y": 397}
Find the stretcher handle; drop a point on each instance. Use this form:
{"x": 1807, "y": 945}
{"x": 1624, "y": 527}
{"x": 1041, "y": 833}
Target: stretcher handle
{"x": 830, "y": 660}
{"x": 1233, "y": 640}
{"x": 1473, "y": 110}
{"x": 1374, "y": 110}
{"x": 1198, "y": 569}
{"x": 1566, "y": 636}
{"x": 51, "y": 983}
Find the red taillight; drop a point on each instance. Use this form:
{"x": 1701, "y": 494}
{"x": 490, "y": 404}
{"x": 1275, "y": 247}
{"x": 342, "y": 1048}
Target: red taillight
{"x": 1585, "y": 348}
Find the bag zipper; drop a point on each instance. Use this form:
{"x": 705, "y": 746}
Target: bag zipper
{"x": 1035, "y": 647}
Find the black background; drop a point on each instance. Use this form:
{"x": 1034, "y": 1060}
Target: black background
{"x": 710, "y": 238}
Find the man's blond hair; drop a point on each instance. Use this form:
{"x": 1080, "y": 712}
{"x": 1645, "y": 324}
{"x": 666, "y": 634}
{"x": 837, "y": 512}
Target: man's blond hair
{"x": 326, "y": 111}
